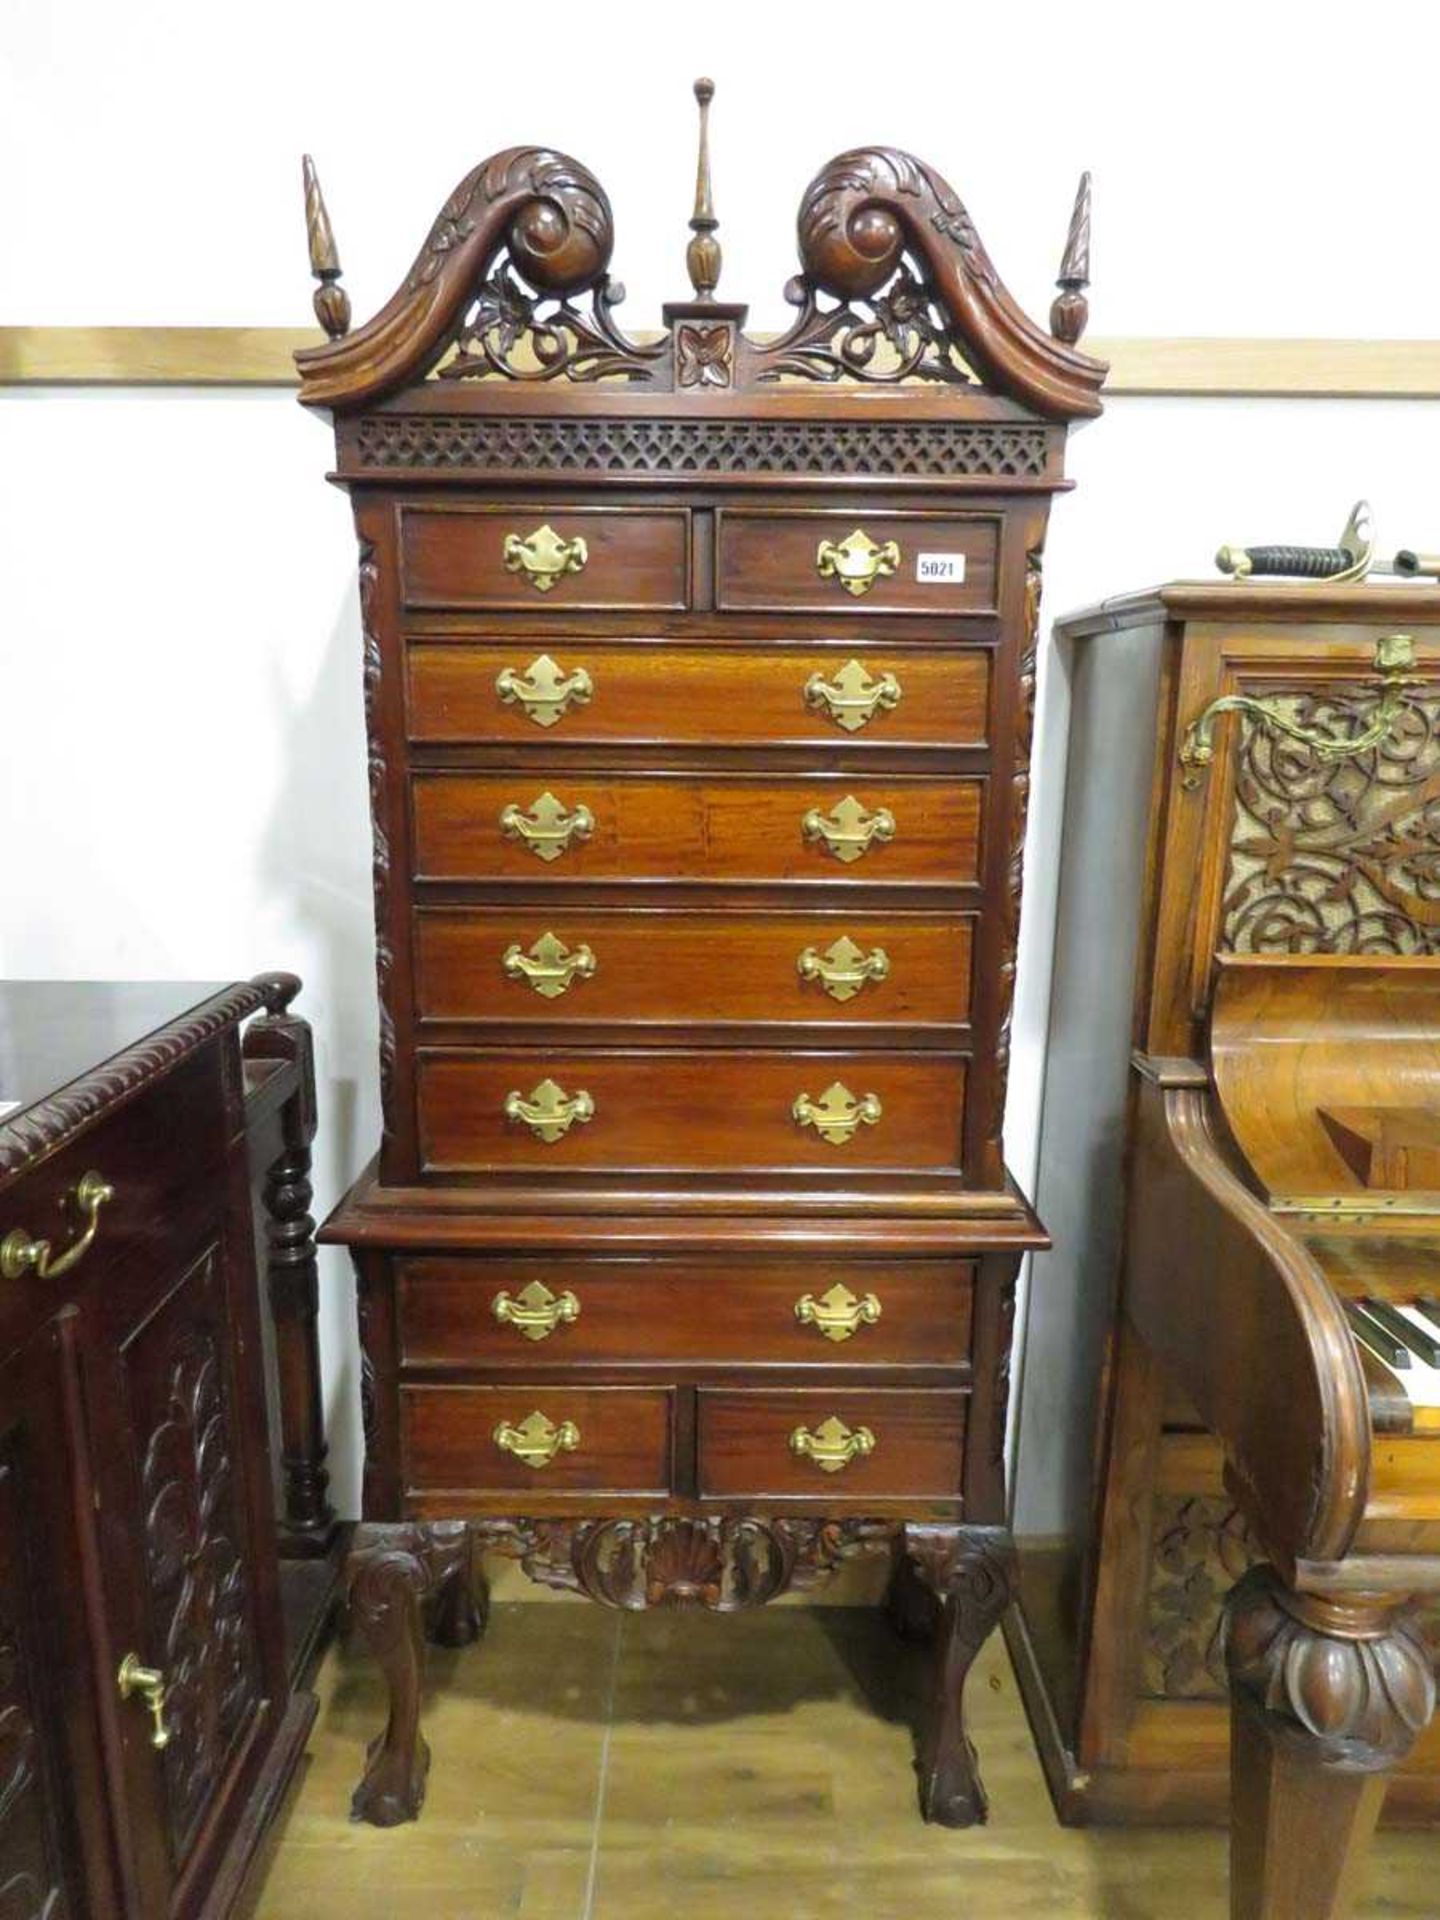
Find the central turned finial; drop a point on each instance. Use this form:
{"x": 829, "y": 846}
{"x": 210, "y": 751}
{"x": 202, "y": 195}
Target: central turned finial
{"x": 702, "y": 256}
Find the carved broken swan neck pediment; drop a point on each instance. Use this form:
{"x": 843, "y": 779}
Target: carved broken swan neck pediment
{"x": 513, "y": 283}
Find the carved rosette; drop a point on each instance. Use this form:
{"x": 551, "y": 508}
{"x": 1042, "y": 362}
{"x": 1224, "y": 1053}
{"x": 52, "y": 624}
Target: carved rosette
{"x": 1200, "y": 1546}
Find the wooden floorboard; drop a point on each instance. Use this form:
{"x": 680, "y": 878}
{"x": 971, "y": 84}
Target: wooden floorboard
{"x": 596, "y": 1766}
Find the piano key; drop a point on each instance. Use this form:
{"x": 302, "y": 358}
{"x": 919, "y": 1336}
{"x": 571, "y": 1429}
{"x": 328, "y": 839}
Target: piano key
{"x": 1428, "y": 1308}
{"x": 1380, "y": 1341}
{"x": 1417, "y": 1337}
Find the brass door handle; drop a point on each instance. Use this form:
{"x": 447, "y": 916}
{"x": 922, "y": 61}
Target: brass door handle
{"x": 832, "y": 1446}
{"x": 843, "y": 968}
{"x": 149, "y": 1683}
{"x": 543, "y": 690}
{"x": 852, "y": 698}
{"x": 550, "y": 1112}
{"x": 837, "y": 1114}
{"x": 547, "y": 829}
{"x": 837, "y": 1314}
{"x": 848, "y": 831}
{"x": 544, "y": 556}
{"x": 856, "y": 561}
{"x": 537, "y": 1440}
{"x": 19, "y": 1254}
{"x": 550, "y": 965}
{"x": 536, "y": 1311}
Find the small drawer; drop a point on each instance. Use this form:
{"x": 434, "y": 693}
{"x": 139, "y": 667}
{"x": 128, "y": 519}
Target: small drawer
{"x": 483, "y": 1110}
{"x": 550, "y": 559}
{"x": 578, "y": 1439}
{"x": 575, "y": 825}
{"x": 530, "y": 691}
{"x": 533, "y": 966}
{"x": 850, "y": 563}
{"x": 473, "y": 1312}
{"x": 890, "y": 1443}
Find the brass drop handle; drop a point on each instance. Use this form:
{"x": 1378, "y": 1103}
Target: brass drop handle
{"x": 550, "y": 1112}
{"x": 537, "y": 1440}
{"x": 843, "y": 968}
{"x": 852, "y": 698}
{"x": 149, "y": 1684}
{"x": 848, "y": 831}
{"x": 549, "y": 966}
{"x": 536, "y": 1311}
{"x": 857, "y": 562}
{"x": 544, "y": 556}
{"x": 832, "y": 1446}
{"x": 837, "y": 1114}
{"x": 837, "y": 1314}
{"x": 19, "y": 1254}
{"x": 543, "y": 690}
{"x": 547, "y": 829}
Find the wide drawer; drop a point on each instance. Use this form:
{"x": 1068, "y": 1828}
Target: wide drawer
{"x": 578, "y": 825}
{"x": 469, "y": 1311}
{"x": 538, "y": 966}
{"x": 530, "y": 690}
{"x": 852, "y": 564}
{"x": 551, "y": 1438}
{"x": 854, "y": 1445}
{"x": 482, "y": 1110}
{"x": 550, "y": 558}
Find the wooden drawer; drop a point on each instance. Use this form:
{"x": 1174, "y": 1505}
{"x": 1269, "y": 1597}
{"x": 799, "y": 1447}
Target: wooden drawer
{"x": 707, "y": 696}
{"x": 664, "y": 1109}
{"x": 461, "y": 557}
{"x": 771, "y": 560}
{"x": 857, "y": 1313}
{"x": 664, "y": 827}
{"x": 744, "y": 1441}
{"x": 529, "y": 966}
{"x": 618, "y": 1439}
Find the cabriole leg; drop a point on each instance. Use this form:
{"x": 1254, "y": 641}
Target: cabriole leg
{"x": 390, "y": 1579}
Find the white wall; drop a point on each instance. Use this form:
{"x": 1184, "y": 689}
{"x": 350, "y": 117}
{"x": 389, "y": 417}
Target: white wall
{"x": 182, "y": 773}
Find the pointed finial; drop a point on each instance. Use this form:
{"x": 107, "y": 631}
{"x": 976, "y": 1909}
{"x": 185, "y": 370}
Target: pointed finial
{"x": 332, "y": 303}
{"x": 702, "y": 256}
{"x": 1071, "y": 309}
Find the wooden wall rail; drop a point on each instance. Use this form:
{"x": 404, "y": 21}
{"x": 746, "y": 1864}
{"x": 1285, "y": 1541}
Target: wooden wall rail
{"x": 261, "y": 357}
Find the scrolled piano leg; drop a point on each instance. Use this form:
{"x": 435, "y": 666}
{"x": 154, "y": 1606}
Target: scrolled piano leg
{"x": 391, "y": 1577}
{"x": 1327, "y": 1694}
{"x": 970, "y": 1571}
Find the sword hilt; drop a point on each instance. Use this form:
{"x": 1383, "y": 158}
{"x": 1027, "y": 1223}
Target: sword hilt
{"x": 1306, "y": 563}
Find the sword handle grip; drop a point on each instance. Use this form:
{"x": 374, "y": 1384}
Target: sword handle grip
{"x": 1306, "y": 563}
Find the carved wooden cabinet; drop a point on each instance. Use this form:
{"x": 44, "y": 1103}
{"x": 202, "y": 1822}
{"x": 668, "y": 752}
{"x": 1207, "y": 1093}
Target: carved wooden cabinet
{"x": 147, "y": 1719}
{"x": 698, "y": 674}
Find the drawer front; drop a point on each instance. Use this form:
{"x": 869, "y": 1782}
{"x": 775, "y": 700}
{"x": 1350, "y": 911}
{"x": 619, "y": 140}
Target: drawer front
{"x": 747, "y": 1444}
{"x": 530, "y": 691}
{"x": 468, "y": 1312}
{"x": 545, "y": 558}
{"x": 593, "y": 826}
{"x": 530, "y": 966}
{"x": 482, "y": 1110}
{"x": 827, "y": 562}
{"x": 489, "y": 1439}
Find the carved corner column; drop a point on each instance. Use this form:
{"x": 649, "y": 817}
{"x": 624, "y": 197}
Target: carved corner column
{"x": 970, "y": 1572}
{"x": 1326, "y": 1696}
{"x": 307, "y": 1521}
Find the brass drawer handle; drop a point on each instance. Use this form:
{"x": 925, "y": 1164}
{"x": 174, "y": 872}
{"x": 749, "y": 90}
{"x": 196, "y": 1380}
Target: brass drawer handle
{"x": 843, "y": 968}
{"x": 19, "y": 1254}
{"x": 837, "y": 1314}
{"x": 848, "y": 831}
{"x": 550, "y": 1112}
{"x": 852, "y": 698}
{"x": 537, "y": 1440}
{"x": 544, "y": 557}
{"x": 536, "y": 1311}
{"x": 837, "y": 1114}
{"x": 832, "y": 1446}
{"x": 543, "y": 690}
{"x": 550, "y": 965}
{"x": 547, "y": 829}
{"x": 149, "y": 1683}
{"x": 856, "y": 562}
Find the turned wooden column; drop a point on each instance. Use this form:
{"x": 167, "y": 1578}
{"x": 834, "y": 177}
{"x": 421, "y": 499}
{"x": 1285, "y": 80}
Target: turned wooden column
{"x": 1327, "y": 1694}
